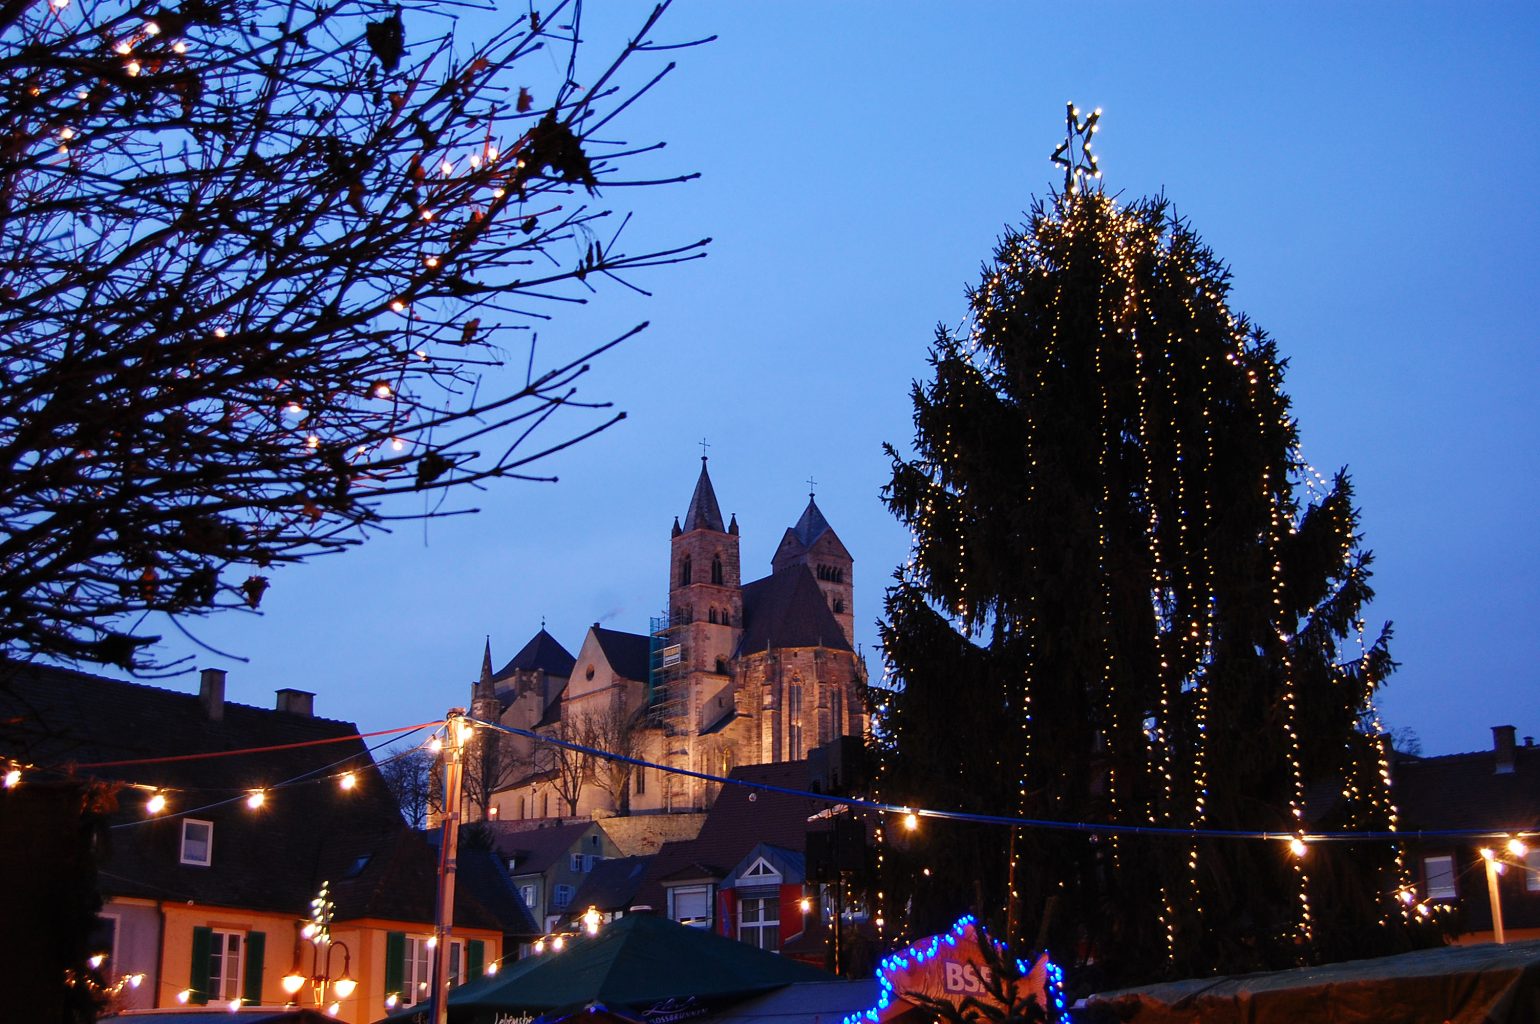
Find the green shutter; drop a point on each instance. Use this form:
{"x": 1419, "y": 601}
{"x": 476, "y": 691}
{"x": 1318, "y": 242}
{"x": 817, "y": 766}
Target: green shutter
{"x": 251, "y": 989}
{"x": 475, "y": 953}
{"x": 202, "y": 949}
{"x": 395, "y": 961}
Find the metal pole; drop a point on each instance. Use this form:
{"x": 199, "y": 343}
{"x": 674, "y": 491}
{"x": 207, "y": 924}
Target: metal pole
{"x": 443, "y": 917}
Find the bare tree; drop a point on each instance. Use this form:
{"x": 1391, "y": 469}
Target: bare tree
{"x": 616, "y": 730}
{"x": 568, "y": 767}
{"x": 491, "y": 764}
{"x": 410, "y": 776}
{"x": 256, "y": 257}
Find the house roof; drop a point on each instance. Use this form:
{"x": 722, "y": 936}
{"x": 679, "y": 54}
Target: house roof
{"x": 1465, "y": 791}
{"x": 740, "y": 819}
{"x": 627, "y": 653}
{"x": 612, "y": 884}
{"x": 787, "y": 609}
{"x": 533, "y": 850}
{"x": 541, "y": 654}
{"x": 484, "y": 875}
{"x": 275, "y": 858}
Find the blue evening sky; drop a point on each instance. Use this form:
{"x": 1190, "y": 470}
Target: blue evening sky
{"x": 1361, "y": 167}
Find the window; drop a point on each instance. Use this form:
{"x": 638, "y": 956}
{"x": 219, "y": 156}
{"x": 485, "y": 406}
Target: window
{"x": 794, "y": 722}
{"x": 197, "y": 841}
{"x": 712, "y": 616}
{"x": 758, "y": 924}
{"x": 641, "y": 779}
{"x": 691, "y": 905}
{"x": 839, "y": 606}
{"x": 1532, "y": 871}
{"x": 225, "y": 967}
{"x": 716, "y": 570}
{"x": 417, "y": 974}
{"x": 562, "y": 898}
{"x": 528, "y": 893}
{"x": 582, "y": 863}
{"x": 1439, "y": 873}
{"x": 684, "y": 571}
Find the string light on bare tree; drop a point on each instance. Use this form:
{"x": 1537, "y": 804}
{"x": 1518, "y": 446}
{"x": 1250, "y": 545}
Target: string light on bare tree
{"x": 258, "y": 262}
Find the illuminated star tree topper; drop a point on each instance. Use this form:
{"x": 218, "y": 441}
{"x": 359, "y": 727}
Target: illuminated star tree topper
{"x": 1084, "y": 165}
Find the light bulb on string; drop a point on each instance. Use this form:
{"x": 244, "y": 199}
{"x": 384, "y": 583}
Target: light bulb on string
{"x": 155, "y": 804}
{"x": 348, "y": 780}
{"x": 256, "y": 799}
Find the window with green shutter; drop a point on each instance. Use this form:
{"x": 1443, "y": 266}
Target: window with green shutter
{"x": 251, "y": 989}
{"x": 475, "y": 956}
{"x": 395, "y": 961}
{"x": 198, "y": 979}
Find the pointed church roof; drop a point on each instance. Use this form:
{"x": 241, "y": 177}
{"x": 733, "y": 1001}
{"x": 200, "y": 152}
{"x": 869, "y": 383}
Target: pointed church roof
{"x": 786, "y": 609}
{"x": 704, "y": 512}
{"x": 812, "y": 525}
{"x": 484, "y": 687}
{"x": 542, "y": 653}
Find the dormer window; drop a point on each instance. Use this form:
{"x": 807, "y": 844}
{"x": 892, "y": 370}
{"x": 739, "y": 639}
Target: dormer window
{"x": 197, "y": 842}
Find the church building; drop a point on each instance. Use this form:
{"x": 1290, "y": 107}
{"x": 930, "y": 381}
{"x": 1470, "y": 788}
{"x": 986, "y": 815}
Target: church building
{"x": 734, "y": 673}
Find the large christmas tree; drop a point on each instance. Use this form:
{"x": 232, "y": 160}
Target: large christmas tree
{"x": 1129, "y": 603}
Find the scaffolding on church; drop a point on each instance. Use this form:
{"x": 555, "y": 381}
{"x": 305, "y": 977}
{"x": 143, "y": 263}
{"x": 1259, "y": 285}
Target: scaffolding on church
{"x": 667, "y": 701}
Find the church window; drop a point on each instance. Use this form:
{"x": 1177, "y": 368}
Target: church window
{"x": 545, "y": 805}
{"x": 716, "y": 570}
{"x": 794, "y": 748}
{"x": 713, "y": 616}
{"x": 684, "y": 571}
{"x": 641, "y": 780}
{"x": 839, "y": 606}
{"x": 721, "y": 666}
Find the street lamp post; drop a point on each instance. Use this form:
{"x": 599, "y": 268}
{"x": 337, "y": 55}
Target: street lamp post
{"x": 459, "y": 731}
{"x": 318, "y": 933}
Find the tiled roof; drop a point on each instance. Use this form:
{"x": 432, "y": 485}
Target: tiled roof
{"x": 484, "y": 876}
{"x": 740, "y": 819}
{"x": 533, "y": 850}
{"x": 704, "y": 513}
{"x": 612, "y": 884}
{"x": 626, "y": 652}
{"x": 274, "y": 858}
{"x": 786, "y": 609}
{"x": 543, "y": 654}
{"x": 1464, "y": 791}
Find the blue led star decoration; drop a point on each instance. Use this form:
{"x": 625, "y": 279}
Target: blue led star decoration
{"x": 1076, "y": 130}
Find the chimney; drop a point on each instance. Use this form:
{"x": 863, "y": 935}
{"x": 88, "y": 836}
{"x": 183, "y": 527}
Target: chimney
{"x": 1502, "y": 746}
{"x": 211, "y": 693}
{"x": 296, "y": 702}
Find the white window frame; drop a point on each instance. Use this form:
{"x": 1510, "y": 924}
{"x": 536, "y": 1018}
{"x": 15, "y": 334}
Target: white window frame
{"x": 763, "y": 925}
{"x": 228, "y": 949}
{"x": 529, "y": 892}
{"x": 208, "y": 843}
{"x": 691, "y": 890}
{"x": 1441, "y": 892}
{"x": 417, "y": 968}
{"x": 762, "y": 872}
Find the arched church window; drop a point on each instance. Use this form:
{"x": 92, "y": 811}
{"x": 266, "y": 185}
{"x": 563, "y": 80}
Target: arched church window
{"x": 684, "y": 571}
{"x": 716, "y": 570}
{"x": 713, "y": 616}
{"x": 721, "y": 666}
{"x": 839, "y": 605}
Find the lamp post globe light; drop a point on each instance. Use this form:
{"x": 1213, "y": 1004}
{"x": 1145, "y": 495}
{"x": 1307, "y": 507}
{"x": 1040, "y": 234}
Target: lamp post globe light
{"x": 317, "y": 931}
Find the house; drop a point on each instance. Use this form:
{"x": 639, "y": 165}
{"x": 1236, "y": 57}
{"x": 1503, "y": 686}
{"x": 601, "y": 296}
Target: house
{"x": 1495, "y": 790}
{"x": 548, "y": 864}
{"x": 230, "y": 821}
{"x": 610, "y": 888}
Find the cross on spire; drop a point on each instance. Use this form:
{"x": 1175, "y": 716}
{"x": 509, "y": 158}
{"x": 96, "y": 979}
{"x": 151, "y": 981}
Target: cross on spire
{"x": 811, "y": 484}
{"x": 1084, "y": 165}
{"x": 703, "y": 447}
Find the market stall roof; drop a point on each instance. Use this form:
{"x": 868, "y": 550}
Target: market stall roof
{"x": 221, "y": 1015}
{"x": 1485, "y": 984}
{"x": 640, "y": 964}
{"x": 811, "y": 1002}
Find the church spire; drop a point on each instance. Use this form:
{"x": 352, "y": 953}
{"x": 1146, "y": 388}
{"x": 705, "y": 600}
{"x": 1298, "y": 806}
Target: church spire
{"x": 484, "y": 686}
{"x": 704, "y": 513}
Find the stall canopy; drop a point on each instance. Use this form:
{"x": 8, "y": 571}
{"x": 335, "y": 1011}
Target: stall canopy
{"x": 1486, "y": 984}
{"x": 640, "y": 967}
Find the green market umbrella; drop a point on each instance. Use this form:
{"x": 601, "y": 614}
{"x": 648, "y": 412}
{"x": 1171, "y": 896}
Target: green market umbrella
{"x": 640, "y": 967}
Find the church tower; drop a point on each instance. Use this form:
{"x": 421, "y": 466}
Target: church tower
{"x": 813, "y": 543}
{"x": 705, "y": 596}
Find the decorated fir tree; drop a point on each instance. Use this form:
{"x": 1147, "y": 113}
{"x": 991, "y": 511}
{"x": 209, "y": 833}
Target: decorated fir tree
{"x": 1129, "y": 603}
